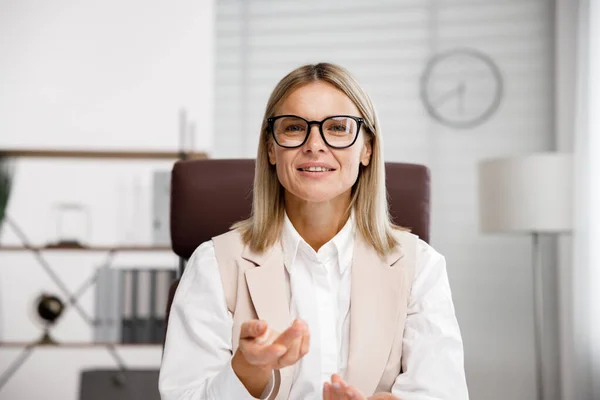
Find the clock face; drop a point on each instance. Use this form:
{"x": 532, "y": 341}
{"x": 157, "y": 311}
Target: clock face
{"x": 461, "y": 88}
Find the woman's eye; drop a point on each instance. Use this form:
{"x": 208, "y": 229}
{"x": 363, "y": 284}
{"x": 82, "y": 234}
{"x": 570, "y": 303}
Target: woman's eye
{"x": 338, "y": 128}
{"x": 294, "y": 128}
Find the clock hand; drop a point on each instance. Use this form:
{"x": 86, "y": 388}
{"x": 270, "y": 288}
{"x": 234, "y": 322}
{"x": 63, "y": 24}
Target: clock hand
{"x": 461, "y": 93}
{"x": 445, "y": 97}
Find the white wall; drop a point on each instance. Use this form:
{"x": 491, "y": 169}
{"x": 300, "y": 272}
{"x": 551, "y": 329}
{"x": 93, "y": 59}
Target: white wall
{"x": 386, "y": 44}
{"x": 566, "y": 74}
{"x": 581, "y": 323}
{"x": 594, "y": 197}
{"x": 94, "y": 75}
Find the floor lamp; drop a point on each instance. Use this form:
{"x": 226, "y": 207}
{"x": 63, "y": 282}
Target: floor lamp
{"x": 532, "y": 195}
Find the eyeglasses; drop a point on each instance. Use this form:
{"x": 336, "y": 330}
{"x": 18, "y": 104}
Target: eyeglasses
{"x": 338, "y": 132}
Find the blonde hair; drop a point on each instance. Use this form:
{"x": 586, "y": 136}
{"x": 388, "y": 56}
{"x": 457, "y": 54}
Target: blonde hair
{"x": 368, "y": 195}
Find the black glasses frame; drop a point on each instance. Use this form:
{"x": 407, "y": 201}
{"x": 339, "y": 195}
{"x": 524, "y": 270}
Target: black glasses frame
{"x": 271, "y": 122}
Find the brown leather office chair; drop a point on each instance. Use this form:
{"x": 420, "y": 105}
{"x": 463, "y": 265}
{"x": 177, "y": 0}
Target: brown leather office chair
{"x": 208, "y": 196}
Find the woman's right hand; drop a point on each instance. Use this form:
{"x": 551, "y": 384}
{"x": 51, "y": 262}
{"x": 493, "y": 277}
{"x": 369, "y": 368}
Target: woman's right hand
{"x": 262, "y": 350}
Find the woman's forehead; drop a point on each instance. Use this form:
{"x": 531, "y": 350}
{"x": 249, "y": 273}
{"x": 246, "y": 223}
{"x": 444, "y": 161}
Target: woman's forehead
{"x": 317, "y": 100}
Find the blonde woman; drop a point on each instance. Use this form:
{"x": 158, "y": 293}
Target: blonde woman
{"x": 317, "y": 295}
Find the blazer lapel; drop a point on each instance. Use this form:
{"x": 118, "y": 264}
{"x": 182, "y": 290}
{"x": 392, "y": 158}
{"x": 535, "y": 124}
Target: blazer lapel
{"x": 374, "y": 305}
{"x": 267, "y": 287}
{"x": 270, "y": 295}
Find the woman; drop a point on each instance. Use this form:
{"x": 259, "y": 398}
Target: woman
{"x": 317, "y": 295}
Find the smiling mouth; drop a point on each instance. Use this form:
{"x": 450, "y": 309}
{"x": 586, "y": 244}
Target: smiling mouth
{"x": 316, "y": 169}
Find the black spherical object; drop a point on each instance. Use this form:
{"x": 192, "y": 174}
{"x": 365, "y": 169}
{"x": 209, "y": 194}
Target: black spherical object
{"x": 49, "y": 308}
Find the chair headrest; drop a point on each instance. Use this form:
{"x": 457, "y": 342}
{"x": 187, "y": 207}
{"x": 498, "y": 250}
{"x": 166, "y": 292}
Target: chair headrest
{"x": 209, "y": 195}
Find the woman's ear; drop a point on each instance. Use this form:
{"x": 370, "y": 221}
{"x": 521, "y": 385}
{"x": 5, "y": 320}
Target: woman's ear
{"x": 271, "y": 153}
{"x": 365, "y": 154}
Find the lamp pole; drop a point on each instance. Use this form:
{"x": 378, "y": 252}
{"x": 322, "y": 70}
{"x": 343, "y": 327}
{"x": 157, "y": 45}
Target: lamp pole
{"x": 538, "y": 304}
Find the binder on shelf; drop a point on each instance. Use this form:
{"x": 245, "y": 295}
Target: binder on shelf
{"x": 127, "y": 309}
{"x": 107, "y": 323}
{"x": 100, "y": 301}
{"x": 152, "y": 319}
{"x": 113, "y": 320}
{"x": 131, "y": 304}
{"x": 164, "y": 280}
{"x": 141, "y": 325}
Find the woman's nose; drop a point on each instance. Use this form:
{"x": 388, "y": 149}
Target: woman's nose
{"x": 314, "y": 142}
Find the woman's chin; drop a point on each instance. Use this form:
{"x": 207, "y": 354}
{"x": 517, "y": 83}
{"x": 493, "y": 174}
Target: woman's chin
{"x": 316, "y": 196}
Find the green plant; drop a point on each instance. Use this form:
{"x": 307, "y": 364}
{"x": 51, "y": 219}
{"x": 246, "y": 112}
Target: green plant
{"x": 6, "y": 174}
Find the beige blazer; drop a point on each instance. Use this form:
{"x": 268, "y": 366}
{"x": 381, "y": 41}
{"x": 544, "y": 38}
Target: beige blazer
{"x": 257, "y": 286}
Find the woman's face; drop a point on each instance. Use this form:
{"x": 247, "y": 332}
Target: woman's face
{"x": 315, "y": 102}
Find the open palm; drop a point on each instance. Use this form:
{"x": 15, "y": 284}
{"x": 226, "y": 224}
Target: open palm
{"x": 337, "y": 389}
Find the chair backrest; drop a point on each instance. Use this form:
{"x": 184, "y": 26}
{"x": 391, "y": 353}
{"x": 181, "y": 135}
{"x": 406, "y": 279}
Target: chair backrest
{"x": 208, "y": 196}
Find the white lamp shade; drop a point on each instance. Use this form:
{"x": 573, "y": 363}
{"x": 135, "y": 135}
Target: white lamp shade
{"x": 533, "y": 193}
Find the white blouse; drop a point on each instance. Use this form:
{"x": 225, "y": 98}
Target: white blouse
{"x": 196, "y": 362}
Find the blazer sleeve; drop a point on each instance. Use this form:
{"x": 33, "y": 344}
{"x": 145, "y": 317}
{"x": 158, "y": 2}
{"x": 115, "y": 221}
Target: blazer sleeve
{"x": 432, "y": 349}
{"x": 196, "y": 362}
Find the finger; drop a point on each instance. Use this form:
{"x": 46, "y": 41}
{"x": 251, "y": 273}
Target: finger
{"x": 337, "y": 387}
{"x": 266, "y": 337}
{"x": 292, "y": 355}
{"x": 353, "y": 393}
{"x": 296, "y": 330}
{"x": 383, "y": 396}
{"x": 338, "y": 391}
{"x": 259, "y": 354}
{"x": 305, "y": 344}
{"x": 343, "y": 391}
{"x": 336, "y": 378}
{"x": 252, "y": 329}
{"x": 327, "y": 391}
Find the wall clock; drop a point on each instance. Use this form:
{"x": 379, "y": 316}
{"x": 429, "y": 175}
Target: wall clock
{"x": 461, "y": 88}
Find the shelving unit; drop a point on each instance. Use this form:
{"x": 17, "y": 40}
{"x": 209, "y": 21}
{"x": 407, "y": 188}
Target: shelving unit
{"x": 93, "y": 248}
{"x": 111, "y": 250}
{"x": 101, "y": 154}
{"x": 75, "y": 345}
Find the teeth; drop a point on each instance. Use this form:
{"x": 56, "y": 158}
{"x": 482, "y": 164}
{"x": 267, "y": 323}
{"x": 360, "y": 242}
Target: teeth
{"x": 316, "y": 169}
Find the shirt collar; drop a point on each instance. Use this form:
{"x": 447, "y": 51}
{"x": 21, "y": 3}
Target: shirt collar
{"x": 340, "y": 246}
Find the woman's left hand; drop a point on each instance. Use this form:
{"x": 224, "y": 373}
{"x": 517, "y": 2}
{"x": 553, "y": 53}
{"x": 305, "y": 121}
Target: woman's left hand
{"x": 337, "y": 389}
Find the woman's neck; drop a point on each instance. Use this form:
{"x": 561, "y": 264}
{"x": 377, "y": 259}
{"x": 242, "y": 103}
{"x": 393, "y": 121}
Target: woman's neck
{"x": 317, "y": 223}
